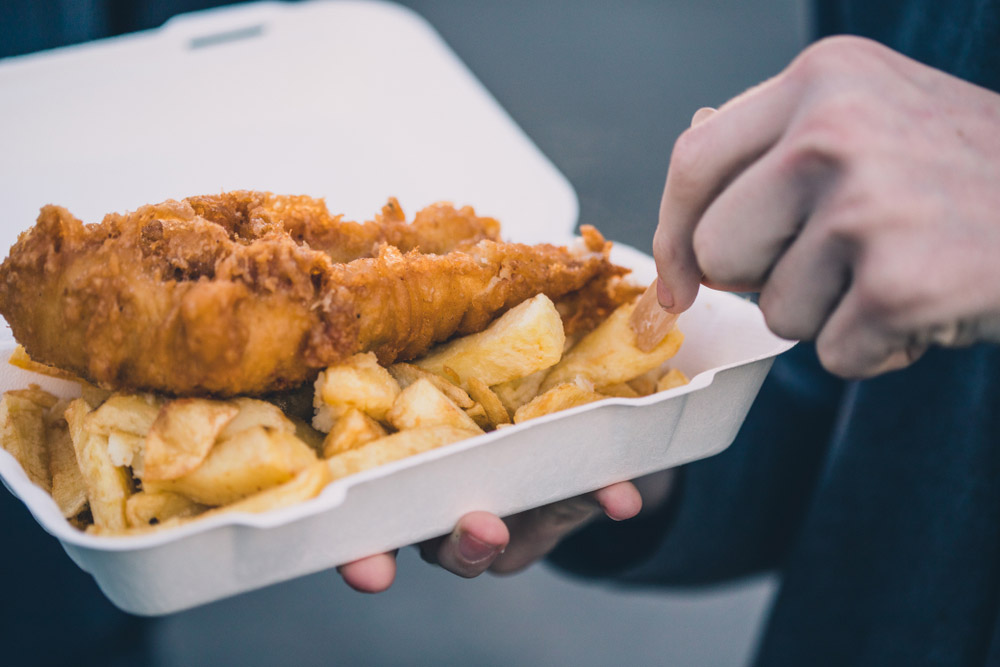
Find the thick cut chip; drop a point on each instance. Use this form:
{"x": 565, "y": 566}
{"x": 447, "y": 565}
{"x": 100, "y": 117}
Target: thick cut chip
{"x": 182, "y": 435}
{"x": 306, "y": 484}
{"x": 560, "y": 397}
{"x": 515, "y": 393}
{"x": 423, "y": 404}
{"x": 645, "y": 384}
{"x": 353, "y": 429}
{"x": 325, "y": 416}
{"x": 495, "y": 411}
{"x": 407, "y": 374}
{"x": 307, "y": 434}
{"x": 395, "y": 447}
{"x": 244, "y": 464}
{"x": 358, "y": 383}
{"x": 126, "y": 449}
{"x": 478, "y": 414}
{"x": 131, "y": 413}
{"x": 37, "y": 395}
{"x": 19, "y": 358}
{"x": 649, "y": 321}
{"x": 671, "y": 379}
{"x": 69, "y": 489}
{"x": 150, "y": 508}
{"x": 255, "y": 412}
{"x": 22, "y": 433}
{"x": 108, "y": 486}
{"x": 620, "y": 390}
{"x": 608, "y": 354}
{"x": 525, "y": 339}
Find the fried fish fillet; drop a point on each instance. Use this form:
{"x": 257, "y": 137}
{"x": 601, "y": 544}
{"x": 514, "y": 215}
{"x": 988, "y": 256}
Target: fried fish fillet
{"x": 247, "y": 293}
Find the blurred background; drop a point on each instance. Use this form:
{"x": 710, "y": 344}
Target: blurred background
{"x": 603, "y": 89}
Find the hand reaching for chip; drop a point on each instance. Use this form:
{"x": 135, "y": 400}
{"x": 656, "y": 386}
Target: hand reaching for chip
{"x": 857, "y": 192}
{"x": 483, "y": 542}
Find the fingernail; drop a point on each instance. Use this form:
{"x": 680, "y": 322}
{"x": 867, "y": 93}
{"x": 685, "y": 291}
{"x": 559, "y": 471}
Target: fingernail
{"x": 473, "y": 550}
{"x": 701, "y": 115}
{"x": 663, "y": 294}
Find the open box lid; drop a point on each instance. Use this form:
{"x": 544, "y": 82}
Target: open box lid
{"x": 354, "y": 101}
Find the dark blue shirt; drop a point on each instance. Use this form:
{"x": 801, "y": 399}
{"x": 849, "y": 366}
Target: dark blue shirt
{"x": 878, "y": 501}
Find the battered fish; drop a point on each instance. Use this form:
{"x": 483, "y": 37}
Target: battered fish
{"x": 246, "y": 293}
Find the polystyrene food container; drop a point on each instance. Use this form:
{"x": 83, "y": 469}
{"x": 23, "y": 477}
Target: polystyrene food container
{"x": 326, "y": 94}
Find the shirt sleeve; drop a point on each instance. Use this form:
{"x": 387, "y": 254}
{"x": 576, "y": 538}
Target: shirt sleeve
{"x": 732, "y": 514}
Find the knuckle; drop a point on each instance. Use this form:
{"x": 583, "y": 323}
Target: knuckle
{"x": 875, "y": 298}
{"x": 885, "y": 287}
{"x": 830, "y": 132}
{"x": 784, "y": 321}
{"x": 819, "y": 140}
{"x": 832, "y": 56}
{"x": 686, "y": 160}
{"x": 833, "y": 357}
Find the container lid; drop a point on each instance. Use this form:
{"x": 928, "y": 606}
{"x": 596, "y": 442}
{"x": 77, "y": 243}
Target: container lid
{"x": 354, "y": 101}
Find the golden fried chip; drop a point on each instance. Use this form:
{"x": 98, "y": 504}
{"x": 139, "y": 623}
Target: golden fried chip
{"x": 150, "y": 508}
{"x": 69, "y": 489}
{"x": 671, "y": 379}
{"x": 132, "y": 413}
{"x": 620, "y": 390}
{"x": 496, "y": 413}
{"x": 407, "y": 374}
{"x": 22, "y": 434}
{"x": 108, "y": 486}
{"x": 353, "y": 429}
{"x": 395, "y": 447}
{"x": 649, "y": 321}
{"x": 423, "y": 404}
{"x": 126, "y": 449}
{"x": 645, "y": 383}
{"x": 255, "y": 412}
{"x": 250, "y": 461}
{"x": 36, "y": 395}
{"x": 560, "y": 397}
{"x": 307, "y": 434}
{"x": 608, "y": 354}
{"x": 182, "y": 435}
{"x": 478, "y": 414}
{"x": 360, "y": 383}
{"x": 525, "y": 339}
{"x": 19, "y": 358}
{"x": 515, "y": 393}
{"x": 306, "y": 484}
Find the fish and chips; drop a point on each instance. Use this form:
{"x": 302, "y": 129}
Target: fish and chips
{"x": 198, "y": 329}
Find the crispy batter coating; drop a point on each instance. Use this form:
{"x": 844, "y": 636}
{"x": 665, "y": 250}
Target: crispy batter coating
{"x": 248, "y": 215}
{"x": 245, "y": 293}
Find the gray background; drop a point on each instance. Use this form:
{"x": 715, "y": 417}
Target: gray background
{"x": 603, "y": 88}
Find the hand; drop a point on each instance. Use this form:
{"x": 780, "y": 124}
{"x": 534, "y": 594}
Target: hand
{"x": 482, "y": 541}
{"x": 859, "y": 192}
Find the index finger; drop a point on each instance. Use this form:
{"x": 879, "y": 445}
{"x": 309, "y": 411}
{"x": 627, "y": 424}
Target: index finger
{"x": 706, "y": 157}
